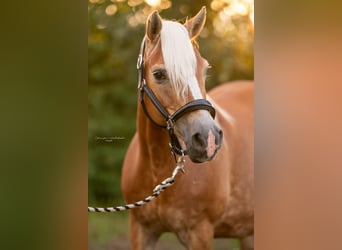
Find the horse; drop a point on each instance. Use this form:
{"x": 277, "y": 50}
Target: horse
{"x": 212, "y": 131}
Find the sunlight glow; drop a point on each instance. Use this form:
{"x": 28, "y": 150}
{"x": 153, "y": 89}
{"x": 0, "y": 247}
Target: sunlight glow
{"x": 251, "y": 17}
{"x": 153, "y": 3}
{"x": 217, "y": 4}
{"x": 111, "y": 9}
{"x": 139, "y": 17}
{"x": 133, "y": 3}
{"x": 233, "y": 15}
{"x": 239, "y": 7}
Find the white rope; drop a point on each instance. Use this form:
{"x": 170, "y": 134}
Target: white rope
{"x": 156, "y": 192}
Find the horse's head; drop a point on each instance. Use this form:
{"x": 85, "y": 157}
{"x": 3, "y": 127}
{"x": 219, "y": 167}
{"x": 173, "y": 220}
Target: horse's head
{"x": 175, "y": 72}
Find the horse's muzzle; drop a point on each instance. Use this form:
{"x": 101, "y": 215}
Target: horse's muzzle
{"x": 203, "y": 146}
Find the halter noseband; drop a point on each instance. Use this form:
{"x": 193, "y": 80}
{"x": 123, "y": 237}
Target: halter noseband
{"x": 197, "y": 104}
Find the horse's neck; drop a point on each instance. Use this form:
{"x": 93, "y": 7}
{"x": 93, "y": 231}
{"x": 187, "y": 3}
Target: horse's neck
{"x": 154, "y": 147}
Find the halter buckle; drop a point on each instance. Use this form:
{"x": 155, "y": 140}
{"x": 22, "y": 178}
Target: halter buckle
{"x": 141, "y": 84}
{"x": 170, "y": 124}
{"x": 139, "y": 62}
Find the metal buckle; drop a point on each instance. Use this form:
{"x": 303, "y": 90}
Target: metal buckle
{"x": 139, "y": 61}
{"x": 170, "y": 124}
{"x": 141, "y": 84}
{"x": 181, "y": 161}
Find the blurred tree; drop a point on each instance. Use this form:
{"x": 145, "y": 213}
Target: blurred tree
{"x": 116, "y": 28}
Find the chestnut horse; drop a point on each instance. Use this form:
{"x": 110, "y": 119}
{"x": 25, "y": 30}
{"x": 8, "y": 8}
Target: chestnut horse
{"x": 214, "y": 198}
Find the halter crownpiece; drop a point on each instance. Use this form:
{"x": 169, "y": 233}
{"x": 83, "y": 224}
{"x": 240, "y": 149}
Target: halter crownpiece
{"x": 197, "y": 104}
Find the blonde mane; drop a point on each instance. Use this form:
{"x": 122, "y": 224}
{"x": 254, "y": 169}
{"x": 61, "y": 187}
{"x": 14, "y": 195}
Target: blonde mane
{"x": 179, "y": 58}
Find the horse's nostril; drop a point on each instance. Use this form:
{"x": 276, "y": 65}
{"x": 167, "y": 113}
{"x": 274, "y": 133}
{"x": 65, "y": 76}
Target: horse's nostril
{"x": 219, "y": 137}
{"x": 198, "y": 139}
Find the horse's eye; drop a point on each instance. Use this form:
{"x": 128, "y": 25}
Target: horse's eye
{"x": 160, "y": 75}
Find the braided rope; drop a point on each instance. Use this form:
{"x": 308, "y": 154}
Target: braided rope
{"x": 156, "y": 192}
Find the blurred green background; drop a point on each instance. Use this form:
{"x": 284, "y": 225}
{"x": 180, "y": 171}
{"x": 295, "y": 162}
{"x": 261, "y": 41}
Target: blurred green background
{"x": 116, "y": 28}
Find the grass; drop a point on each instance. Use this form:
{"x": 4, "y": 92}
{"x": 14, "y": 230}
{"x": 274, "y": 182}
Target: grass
{"x": 110, "y": 231}
{"x": 107, "y": 227}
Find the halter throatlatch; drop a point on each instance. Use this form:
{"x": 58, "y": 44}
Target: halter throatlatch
{"x": 198, "y": 104}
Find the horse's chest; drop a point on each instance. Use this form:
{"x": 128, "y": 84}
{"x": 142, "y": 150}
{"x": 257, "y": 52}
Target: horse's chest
{"x": 178, "y": 212}
{"x": 175, "y": 218}
{"x": 162, "y": 217}
{"x": 194, "y": 197}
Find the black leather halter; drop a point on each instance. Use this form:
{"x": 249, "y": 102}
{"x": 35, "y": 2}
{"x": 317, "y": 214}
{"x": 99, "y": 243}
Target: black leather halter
{"x": 197, "y": 104}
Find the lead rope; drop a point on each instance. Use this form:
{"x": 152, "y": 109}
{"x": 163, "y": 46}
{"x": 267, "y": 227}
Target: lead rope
{"x": 156, "y": 191}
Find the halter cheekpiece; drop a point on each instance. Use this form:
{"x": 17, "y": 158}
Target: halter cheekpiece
{"x": 197, "y": 104}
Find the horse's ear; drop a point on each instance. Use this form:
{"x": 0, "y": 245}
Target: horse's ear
{"x": 195, "y": 24}
{"x": 153, "y": 25}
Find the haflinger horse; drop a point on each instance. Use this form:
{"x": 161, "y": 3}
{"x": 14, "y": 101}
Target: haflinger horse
{"x": 214, "y": 198}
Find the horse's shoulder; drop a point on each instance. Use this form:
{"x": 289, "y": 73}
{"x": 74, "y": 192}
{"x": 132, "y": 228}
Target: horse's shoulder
{"x": 130, "y": 160}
